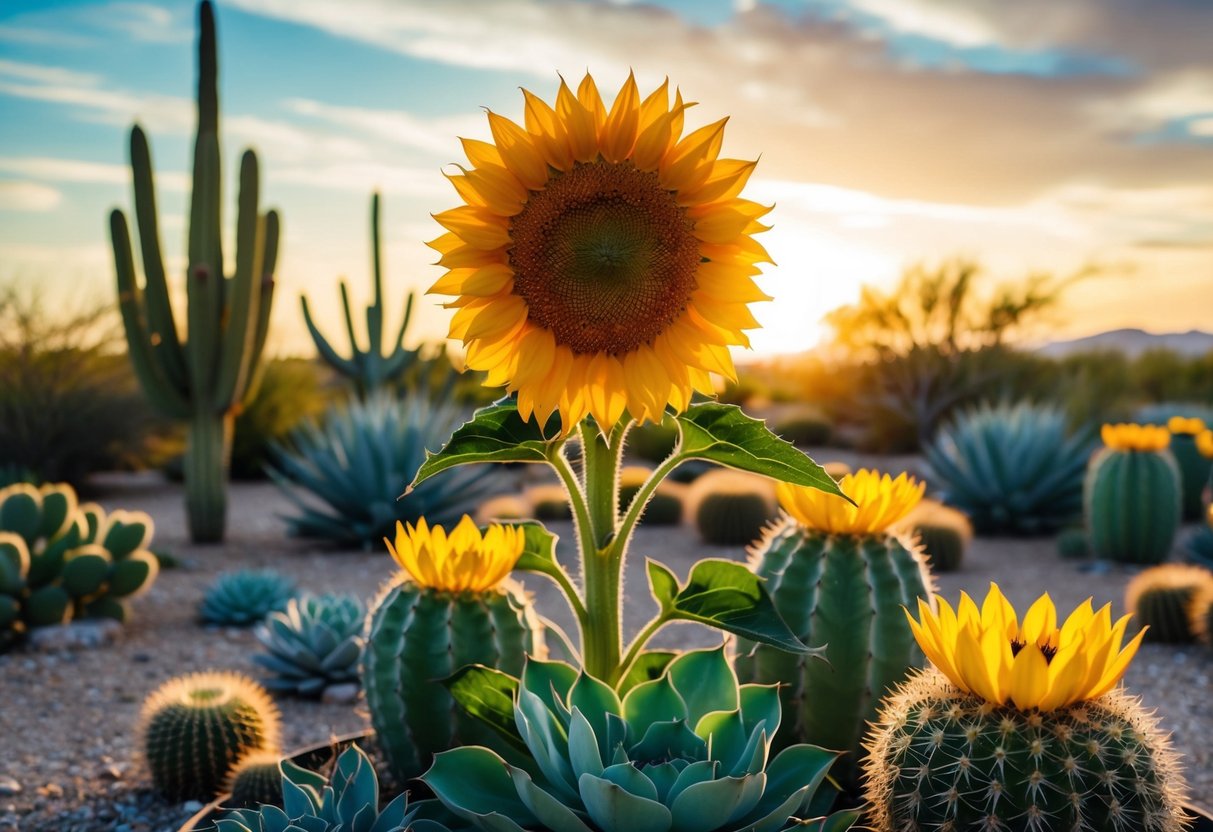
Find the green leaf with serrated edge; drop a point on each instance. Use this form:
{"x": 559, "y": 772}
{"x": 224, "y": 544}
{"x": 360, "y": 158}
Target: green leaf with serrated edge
{"x": 662, "y": 583}
{"x": 495, "y": 433}
{"x": 538, "y": 548}
{"x": 728, "y": 596}
{"x": 722, "y": 433}
{"x": 647, "y": 667}
{"x": 488, "y": 695}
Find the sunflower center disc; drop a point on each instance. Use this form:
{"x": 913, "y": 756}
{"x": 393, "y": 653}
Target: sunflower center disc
{"x": 604, "y": 258}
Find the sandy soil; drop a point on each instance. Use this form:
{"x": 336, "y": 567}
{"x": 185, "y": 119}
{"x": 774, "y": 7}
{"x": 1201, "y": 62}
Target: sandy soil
{"x": 66, "y": 719}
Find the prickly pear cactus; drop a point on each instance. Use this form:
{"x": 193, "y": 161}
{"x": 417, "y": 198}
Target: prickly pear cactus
{"x": 846, "y": 592}
{"x": 194, "y": 728}
{"x": 113, "y": 565}
{"x": 419, "y": 636}
{"x": 942, "y": 759}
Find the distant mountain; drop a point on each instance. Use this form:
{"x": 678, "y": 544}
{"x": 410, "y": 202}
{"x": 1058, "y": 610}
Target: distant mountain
{"x": 1133, "y": 342}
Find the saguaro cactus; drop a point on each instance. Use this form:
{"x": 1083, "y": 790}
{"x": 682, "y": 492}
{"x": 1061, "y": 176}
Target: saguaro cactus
{"x": 204, "y": 379}
{"x": 373, "y": 367}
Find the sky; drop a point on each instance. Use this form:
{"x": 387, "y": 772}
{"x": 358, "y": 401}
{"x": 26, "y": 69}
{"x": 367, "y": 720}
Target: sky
{"x": 1032, "y": 135}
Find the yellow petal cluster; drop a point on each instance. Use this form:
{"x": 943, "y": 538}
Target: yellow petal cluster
{"x": 1204, "y": 443}
{"x": 602, "y": 262}
{"x": 880, "y": 501}
{"x": 1181, "y": 424}
{"x": 1036, "y": 664}
{"x": 1129, "y": 437}
{"x": 462, "y": 561}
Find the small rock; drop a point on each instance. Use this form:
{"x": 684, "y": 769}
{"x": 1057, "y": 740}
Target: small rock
{"x": 9, "y": 787}
{"x": 76, "y": 634}
{"x": 112, "y": 771}
{"x": 343, "y": 694}
{"x": 191, "y": 806}
{"x": 51, "y": 790}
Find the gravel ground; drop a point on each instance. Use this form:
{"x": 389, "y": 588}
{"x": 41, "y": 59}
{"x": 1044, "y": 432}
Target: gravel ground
{"x": 69, "y": 761}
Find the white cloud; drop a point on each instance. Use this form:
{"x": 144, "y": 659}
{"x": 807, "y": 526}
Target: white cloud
{"x": 50, "y": 169}
{"x": 42, "y": 74}
{"x": 28, "y": 196}
{"x": 434, "y": 135}
{"x": 143, "y": 22}
{"x": 956, "y": 25}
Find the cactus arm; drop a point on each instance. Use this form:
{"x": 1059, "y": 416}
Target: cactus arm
{"x": 374, "y": 312}
{"x": 237, "y": 357}
{"x": 208, "y": 71}
{"x": 322, "y": 344}
{"x": 267, "y": 284}
{"x": 205, "y": 279}
{"x": 164, "y": 396}
{"x": 157, "y": 305}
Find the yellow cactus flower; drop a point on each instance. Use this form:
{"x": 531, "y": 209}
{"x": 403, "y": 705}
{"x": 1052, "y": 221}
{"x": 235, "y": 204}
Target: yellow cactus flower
{"x": 1180, "y": 424}
{"x": 1129, "y": 437}
{"x": 1204, "y": 443}
{"x": 463, "y": 561}
{"x": 880, "y": 501}
{"x": 602, "y": 262}
{"x": 1036, "y": 664}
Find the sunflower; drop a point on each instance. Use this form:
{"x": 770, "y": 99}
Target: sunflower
{"x": 1180, "y": 424}
{"x": 1129, "y": 437}
{"x": 602, "y": 262}
{"x": 987, "y": 651}
{"x": 463, "y": 561}
{"x": 880, "y": 501}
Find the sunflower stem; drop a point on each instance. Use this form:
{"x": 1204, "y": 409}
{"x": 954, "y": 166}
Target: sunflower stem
{"x": 601, "y": 552}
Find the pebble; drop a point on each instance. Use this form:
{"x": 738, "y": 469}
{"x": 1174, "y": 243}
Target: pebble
{"x": 9, "y": 787}
{"x": 71, "y": 636}
{"x": 342, "y": 694}
{"x": 191, "y": 806}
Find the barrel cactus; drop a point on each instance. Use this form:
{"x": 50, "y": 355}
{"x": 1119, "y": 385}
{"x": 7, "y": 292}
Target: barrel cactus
{"x": 452, "y": 606}
{"x": 549, "y": 502}
{"x": 943, "y": 534}
{"x": 664, "y": 507}
{"x": 1132, "y": 495}
{"x": 346, "y": 802}
{"x": 731, "y": 508}
{"x": 315, "y": 642}
{"x": 1021, "y": 727}
{"x": 244, "y": 597}
{"x": 1200, "y": 616}
{"x": 1161, "y": 597}
{"x": 1194, "y": 467}
{"x": 1074, "y": 544}
{"x": 685, "y": 751}
{"x": 839, "y": 578}
{"x": 255, "y": 780}
{"x": 194, "y": 728}
{"x": 1011, "y": 467}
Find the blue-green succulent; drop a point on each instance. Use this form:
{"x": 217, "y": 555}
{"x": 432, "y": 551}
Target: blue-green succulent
{"x": 242, "y": 598}
{"x": 685, "y": 752}
{"x": 316, "y": 642}
{"x": 348, "y": 802}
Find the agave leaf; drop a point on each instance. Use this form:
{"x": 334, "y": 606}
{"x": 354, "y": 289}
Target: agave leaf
{"x": 669, "y": 741}
{"x": 706, "y": 681}
{"x": 655, "y": 701}
{"x": 615, "y": 809}
{"x": 548, "y": 680}
{"x": 584, "y": 754}
{"x": 708, "y": 805}
{"x": 552, "y": 814}
{"x": 648, "y": 666}
{"x": 725, "y": 736}
{"x": 475, "y": 784}
{"x": 760, "y": 708}
{"x": 596, "y": 700}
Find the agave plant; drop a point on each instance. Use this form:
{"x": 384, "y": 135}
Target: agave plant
{"x": 316, "y": 642}
{"x": 686, "y": 751}
{"x": 349, "y": 802}
{"x": 1012, "y": 467}
{"x": 244, "y": 597}
{"x": 347, "y": 474}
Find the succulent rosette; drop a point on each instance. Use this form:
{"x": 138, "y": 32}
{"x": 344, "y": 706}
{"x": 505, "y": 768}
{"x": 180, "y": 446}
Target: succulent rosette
{"x": 685, "y": 752}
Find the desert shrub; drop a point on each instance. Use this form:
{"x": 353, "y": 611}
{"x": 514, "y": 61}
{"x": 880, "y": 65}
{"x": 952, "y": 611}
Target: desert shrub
{"x": 806, "y": 426}
{"x": 69, "y": 402}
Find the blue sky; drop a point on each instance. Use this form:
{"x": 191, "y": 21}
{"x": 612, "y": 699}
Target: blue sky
{"x": 1028, "y": 135}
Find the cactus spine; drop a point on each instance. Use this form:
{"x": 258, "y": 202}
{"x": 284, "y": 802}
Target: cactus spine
{"x": 373, "y": 367}
{"x": 941, "y": 759}
{"x": 196, "y": 727}
{"x": 845, "y": 591}
{"x": 419, "y": 636}
{"x": 205, "y": 379}
{"x": 1132, "y": 504}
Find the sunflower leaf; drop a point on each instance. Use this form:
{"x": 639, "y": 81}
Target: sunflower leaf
{"x": 722, "y": 433}
{"x": 496, "y": 433}
{"x": 726, "y": 595}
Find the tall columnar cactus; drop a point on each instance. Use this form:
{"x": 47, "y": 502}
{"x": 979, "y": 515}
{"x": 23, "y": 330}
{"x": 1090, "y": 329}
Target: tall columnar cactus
{"x": 840, "y": 579}
{"x": 204, "y": 379}
{"x": 1132, "y": 495}
{"x": 1021, "y": 727}
{"x": 375, "y": 366}
{"x": 1194, "y": 466}
{"x": 450, "y": 610}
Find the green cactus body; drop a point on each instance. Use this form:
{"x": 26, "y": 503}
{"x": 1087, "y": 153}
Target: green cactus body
{"x": 1132, "y": 505}
{"x": 732, "y": 519}
{"x": 204, "y": 379}
{"x": 945, "y": 760}
{"x": 1194, "y": 472}
{"x": 255, "y": 780}
{"x": 1161, "y": 598}
{"x": 1073, "y": 544}
{"x": 847, "y": 592}
{"x": 419, "y": 636}
{"x": 374, "y": 367}
{"x": 196, "y": 727}
{"x": 944, "y": 545}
